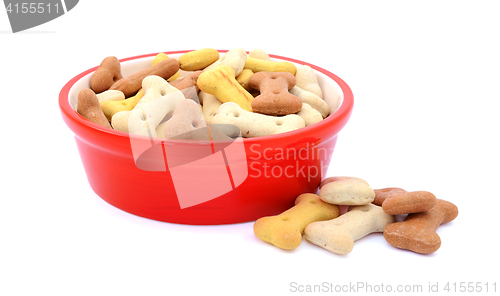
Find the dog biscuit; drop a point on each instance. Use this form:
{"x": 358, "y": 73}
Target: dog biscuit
{"x": 285, "y": 230}
{"x": 131, "y": 84}
{"x": 274, "y": 98}
{"x": 198, "y": 59}
{"x": 338, "y": 235}
{"x": 417, "y": 232}
{"x": 88, "y": 107}
{"x": 307, "y": 80}
{"x": 349, "y": 191}
{"x": 108, "y": 72}
{"x": 221, "y": 82}
{"x": 255, "y": 124}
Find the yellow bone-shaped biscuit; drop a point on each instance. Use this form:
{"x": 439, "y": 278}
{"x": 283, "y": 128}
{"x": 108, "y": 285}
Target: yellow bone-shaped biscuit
{"x": 198, "y": 59}
{"x": 163, "y": 56}
{"x": 110, "y": 108}
{"x": 221, "y": 82}
{"x": 258, "y": 65}
{"x": 285, "y": 230}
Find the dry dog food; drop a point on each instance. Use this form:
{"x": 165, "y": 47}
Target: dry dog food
{"x": 366, "y": 215}
{"x": 285, "y": 230}
{"x": 271, "y": 96}
{"x": 349, "y": 191}
{"x": 274, "y": 98}
{"x": 88, "y": 107}
{"x": 338, "y": 235}
{"x": 107, "y": 74}
{"x": 417, "y": 232}
{"x": 221, "y": 82}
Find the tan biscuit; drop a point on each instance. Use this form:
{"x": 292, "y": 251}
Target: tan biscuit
{"x": 310, "y": 115}
{"x": 311, "y": 99}
{"x": 186, "y": 118}
{"x": 110, "y": 95}
{"x": 259, "y": 54}
{"x": 285, "y": 230}
{"x": 210, "y": 105}
{"x": 131, "y": 84}
{"x": 234, "y": 58}
{"x": 382, "y": 194}
{"x": 409, "y": 202}
{"x": 306, "y": 79}
{"x": 109, "y": 72}
{"x": 274, "y": 98}
{"x": 417, "y": 232}
{"x": 349, "y": 191}
{"x": 338, "y": 235}
{"x": 88, "y": 107}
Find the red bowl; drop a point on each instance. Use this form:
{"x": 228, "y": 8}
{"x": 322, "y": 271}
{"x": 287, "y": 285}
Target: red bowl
{"x": 201, "y": 182}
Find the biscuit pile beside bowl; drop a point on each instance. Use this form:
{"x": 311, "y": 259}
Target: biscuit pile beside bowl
{"x": 205, "y": 136}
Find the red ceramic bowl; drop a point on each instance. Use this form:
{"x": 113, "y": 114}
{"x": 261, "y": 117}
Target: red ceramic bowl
{"x": 201, "y": 182}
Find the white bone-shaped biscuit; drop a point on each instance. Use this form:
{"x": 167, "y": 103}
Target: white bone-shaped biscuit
{"x": 338, "y": 235}
{"x": 255, "y": 124}
{"x": 160, "y": 99}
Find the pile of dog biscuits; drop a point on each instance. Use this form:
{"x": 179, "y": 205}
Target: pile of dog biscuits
{"x": 250, "y": 91}
{"x": 318, "y": 218}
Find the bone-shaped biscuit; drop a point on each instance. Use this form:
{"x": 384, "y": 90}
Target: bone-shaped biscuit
{"x": 309, "y": 114}
{"x": 210, "y": 105}
{"x": 382, "y": 194}
{"x": 131, "y": 84}
{"x": 285, "y": 230}
{"x": 234, "y": 58}
{"x": 88, "y": 107}
{"x": 274, "y": 98}
{"x": 186, "y": 118}
{"x": 338, "y": 235}
{"x": 311, "y": 99}
{"x": 255, "y": 124}
{"x": 221, "y": 82}
{"x": 108, "y": 72}
{"x": 397, "y": 201}
{"x": 160, "y": 99}
{"x": 306, "y": 79}
{"x": 349, "y": 191}
{"x": 187, "y": 84}
{"x": 417, "y": 232}
{"x": 409, "y": 202}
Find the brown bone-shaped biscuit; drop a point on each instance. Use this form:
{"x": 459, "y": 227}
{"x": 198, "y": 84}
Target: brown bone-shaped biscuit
{"x": 187, "y": 84}
{"x": 274, "y": 98}
{"x": 397, "y": 201}
{"x": 382, "y": 194}
{"x": 89, "y": 107}
{"x": 131, "y": 84}
{"x": 409, "y": 202}
{"x": 109, "y": 72}
{"x": 417, "y": 232}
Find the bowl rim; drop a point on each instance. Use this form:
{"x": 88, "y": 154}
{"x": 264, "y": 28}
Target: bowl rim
{"x": 339, "y": 116}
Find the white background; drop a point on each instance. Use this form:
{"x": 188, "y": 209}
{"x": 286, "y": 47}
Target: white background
{"x": 425, "y": 77}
